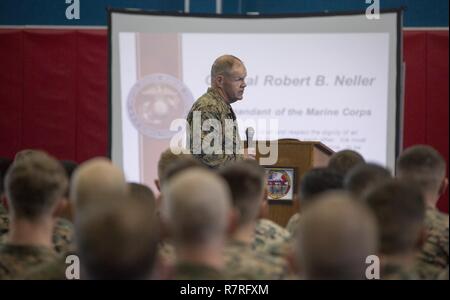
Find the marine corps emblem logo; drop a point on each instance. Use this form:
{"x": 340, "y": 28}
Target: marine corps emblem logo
{"x": 155, "y": 101}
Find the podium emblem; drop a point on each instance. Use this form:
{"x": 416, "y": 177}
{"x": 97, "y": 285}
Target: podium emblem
{"x": 280, "y": 183}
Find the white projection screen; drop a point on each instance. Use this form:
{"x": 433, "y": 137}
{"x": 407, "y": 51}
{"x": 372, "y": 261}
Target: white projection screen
{"x": 329, "y": 78}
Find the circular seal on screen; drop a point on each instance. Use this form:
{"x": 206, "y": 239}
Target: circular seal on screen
{"x": 278, "y": 184}
{"x": 155, "y": 101}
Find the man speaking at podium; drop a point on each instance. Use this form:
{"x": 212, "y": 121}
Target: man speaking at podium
{"x": 213, "y": 133}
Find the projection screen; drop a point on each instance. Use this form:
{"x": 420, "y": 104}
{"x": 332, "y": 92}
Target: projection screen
{"x": 329, "y": 78}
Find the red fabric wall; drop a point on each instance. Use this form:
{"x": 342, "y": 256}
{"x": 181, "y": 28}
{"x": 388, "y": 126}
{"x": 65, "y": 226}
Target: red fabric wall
{"x": 53, "y": 92}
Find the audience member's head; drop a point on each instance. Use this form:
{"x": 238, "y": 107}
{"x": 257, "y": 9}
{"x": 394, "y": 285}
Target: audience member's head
{"x": 425, "y": 167}
{"x": 196, "y": 207}
{"x": 4, "y": 165}
{"x": 363, "y": 177}
{"x": 317, "y": 181}
{"x": 335, "y": 236}
{"x": 96, "y": 180}
{"x": 246, "y": 180}
{"x": 142, "y": 193}
{"x": 167, "y": 158}
{"x": 344, "y": 160}
{"x": 400, "y": 211}
{"x": 35, "y": 183}
{"x": 118, "y": 240}
{"x": 24, "y": 153}
{"x": 179, "y": 165}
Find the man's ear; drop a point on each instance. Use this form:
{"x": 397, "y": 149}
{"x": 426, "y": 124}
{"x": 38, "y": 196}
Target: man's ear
{"x": 443, "y": 186}
{"x": 423, "y": 234}
{"x": 60, "y": 208}
{"x": 156, "y": 181}
{"x": 292, "y": 262}
{"x": 4, "y": 201}
{"x": 264, "y": 207}
{"x": 233, "y": 220}
{"x": 219, "y": 80}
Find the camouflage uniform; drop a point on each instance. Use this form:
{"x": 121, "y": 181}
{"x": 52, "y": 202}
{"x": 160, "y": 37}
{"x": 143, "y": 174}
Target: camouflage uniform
{"x": 270, "y": 238}
{"x": 4, "y": 224}
{"x": 292, "y": 224}
{"x": 443, "y": 275}
{"x": 167, "y": 252}
{"x": 392, "y": 271}
{"x": 63, "y": 236}
{"x": 62, "y": 233}
{"x": 435, "y": 250}
{"x": 16, "y": 261}
{"x": 213, "y": 107}
{"x": 54, "y": 270}
{"x": 244, "y": 263}
{"x": 191, "y": 271}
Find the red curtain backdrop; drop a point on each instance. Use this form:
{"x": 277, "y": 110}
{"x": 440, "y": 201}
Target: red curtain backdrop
{"x": 53, "y": 92}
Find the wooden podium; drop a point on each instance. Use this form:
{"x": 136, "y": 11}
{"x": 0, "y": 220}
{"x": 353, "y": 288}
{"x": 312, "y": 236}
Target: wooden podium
{"x": 301, "y": 156}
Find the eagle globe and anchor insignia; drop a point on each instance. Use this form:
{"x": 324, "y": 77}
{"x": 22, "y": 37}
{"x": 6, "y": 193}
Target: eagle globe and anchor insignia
{"x": 279, "y": 183}
{"x": 155, "y": 101}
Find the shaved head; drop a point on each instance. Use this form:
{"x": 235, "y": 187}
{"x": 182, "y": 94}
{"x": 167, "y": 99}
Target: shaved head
{"x": 335, "y": 236}
{"x": 223, "y": 65}
{"x": 96, "y": 179}
{"x": 424, "y": 166}
{"x": 196, "y": 206}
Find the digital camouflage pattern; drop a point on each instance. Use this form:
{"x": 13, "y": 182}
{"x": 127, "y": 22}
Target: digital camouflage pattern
{"x": 167, "y": 252}
{"x": 190, "y": 271}
{"x": 62, "y": 235}
{"x": 435, "y": 250}
{"x": 53, "y": 270}
{"x": 4, "y": 224}
{"x": 434, "y": 254}
{"x": 212, "y": 107}
{"x": 242, "y": 262}
{"x": 16, "y": 261}
{"x": 2, "y": 209}
{"x": 270, "y": 238}
{"x": 392, "y": 271}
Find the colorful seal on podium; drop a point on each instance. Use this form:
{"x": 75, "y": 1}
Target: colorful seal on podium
{"x": 279, "y": 184}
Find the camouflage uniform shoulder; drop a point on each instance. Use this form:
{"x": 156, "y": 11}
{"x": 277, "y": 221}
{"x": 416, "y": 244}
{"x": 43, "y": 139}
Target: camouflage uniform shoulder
{"x": 2, "y": 209}
{"x": 426, "y": 271}
{"x": 63, "y": 236}
{"x": 62, "y": 233}
{"x": 54, "y": 270}
{"x": 292, "y": 224}
{"x": 435, "y": 250}
{"x": 210, "y": 103}
{"x": 4, "y": 224}
{"x": 16, "y": 261}
{"x": 397, "y": 272}
{"x": 213, "y": 108}
{"x": 167, "y": 252}
{"x": 443, "y": 275}
{"x": 191, "y": 271}
{"x": 270, "y": 237}
{"x": 242, "y": 262}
